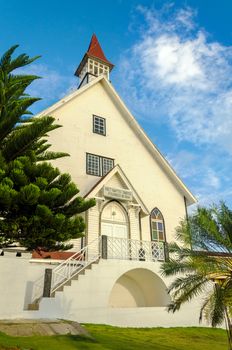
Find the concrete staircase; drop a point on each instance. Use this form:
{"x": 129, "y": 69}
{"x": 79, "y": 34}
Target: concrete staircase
{"x": 56, "y": 279}
{"x": 36, "y": 304}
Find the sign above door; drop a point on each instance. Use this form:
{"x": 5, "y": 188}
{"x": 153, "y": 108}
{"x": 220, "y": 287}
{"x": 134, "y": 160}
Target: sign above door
{"x": 117, "y": 193}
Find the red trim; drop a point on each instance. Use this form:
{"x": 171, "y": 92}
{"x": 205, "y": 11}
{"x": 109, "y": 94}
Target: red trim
{"x": 51, "y": 255}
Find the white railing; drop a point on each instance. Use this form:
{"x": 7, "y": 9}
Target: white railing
{"x": 116, "y": 248}
{"x": 131, "y": 249}
{"x": 69, "y": 268}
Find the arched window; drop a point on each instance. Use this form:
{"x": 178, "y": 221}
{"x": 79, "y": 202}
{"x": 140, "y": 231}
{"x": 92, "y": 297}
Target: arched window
{"x": 157, "y": 226}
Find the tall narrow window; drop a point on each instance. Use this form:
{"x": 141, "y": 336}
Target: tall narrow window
{"x": 157, "y": 226}
{"x": 99, "y": 125}
{"x": 92, "y": 164}
{"x": 107, "y": 165}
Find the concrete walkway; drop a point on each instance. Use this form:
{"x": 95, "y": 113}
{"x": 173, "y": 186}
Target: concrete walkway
{"x": 21, "y": 327}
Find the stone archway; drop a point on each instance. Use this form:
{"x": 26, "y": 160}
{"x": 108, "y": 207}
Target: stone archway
{"x": 114, "y": 222}
{"x": 139, "y": 288}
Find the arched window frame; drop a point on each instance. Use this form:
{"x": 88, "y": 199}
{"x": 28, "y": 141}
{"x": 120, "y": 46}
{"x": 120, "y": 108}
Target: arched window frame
{"x": 157, "y": 226}
{"x": 117, "y": 203}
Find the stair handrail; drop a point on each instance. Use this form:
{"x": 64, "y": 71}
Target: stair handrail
{"x": 74, "y": 264}
{"x": 68, "y": 268}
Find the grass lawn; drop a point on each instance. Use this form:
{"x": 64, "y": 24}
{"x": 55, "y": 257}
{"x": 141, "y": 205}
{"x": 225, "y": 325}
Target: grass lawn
{"x": 107, "y": 337}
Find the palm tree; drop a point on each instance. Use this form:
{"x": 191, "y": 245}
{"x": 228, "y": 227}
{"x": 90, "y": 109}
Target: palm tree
{"x": 201, "y": 260}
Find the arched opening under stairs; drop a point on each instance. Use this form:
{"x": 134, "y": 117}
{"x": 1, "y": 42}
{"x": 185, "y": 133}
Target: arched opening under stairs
{"x": 139, "y": 288}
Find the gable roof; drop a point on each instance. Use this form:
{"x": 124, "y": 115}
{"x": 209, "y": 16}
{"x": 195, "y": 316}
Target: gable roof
{"x": 134, "y": 125}
{"x": 103, "y": 181}
{"x": 94, "y": 51}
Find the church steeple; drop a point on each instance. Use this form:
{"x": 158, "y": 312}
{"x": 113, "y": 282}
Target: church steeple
{"x": 94, "y": 63}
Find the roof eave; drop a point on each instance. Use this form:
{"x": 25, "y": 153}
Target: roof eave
{"x": 81, "y": 65}
{"x": 191, "y": 199}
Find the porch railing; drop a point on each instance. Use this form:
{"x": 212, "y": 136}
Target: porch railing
{"x": 131, "y": 249}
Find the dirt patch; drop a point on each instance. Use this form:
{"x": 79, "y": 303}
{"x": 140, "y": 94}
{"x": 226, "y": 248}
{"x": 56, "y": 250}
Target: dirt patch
{"x": 41, "y": 327}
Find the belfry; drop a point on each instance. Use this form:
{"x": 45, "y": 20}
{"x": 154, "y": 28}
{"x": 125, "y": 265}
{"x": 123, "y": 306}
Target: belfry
{"x": 93, "y": 64}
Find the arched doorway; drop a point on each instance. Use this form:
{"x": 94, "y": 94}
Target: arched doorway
{"x": 114, "y": 221}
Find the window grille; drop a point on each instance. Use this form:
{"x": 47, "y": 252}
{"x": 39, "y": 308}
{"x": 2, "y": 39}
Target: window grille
{"x": 157, "y": 226}
{"x": 98, "y": 165}
{"x": 99, "y": 125}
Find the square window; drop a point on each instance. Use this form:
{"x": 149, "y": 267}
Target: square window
{"x": 97, "y": 165}
{"x": 99, "y": 125}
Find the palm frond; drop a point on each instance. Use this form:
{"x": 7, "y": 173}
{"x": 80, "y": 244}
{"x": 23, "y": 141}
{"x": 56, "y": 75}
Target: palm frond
{"x": 184, "y": 289}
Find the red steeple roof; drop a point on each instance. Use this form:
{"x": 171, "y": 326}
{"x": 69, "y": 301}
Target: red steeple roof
{"x": 94, "y": 51}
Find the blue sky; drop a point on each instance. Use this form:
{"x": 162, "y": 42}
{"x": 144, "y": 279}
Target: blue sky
{"x": 173, "y": 68}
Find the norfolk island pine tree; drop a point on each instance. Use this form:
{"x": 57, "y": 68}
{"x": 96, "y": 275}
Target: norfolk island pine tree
{"x": 39, "y": 206}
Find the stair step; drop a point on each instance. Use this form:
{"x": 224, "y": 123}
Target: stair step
{"x": 33, "y": 307}
{"x": 96, "y": 261}
{"x": 75, "y": 278}
{"x": 60, "y": 289}
{"x": 89, "y": 267}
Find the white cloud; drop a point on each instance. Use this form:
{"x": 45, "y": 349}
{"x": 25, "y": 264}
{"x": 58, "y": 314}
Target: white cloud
{"x": 175, "y": 70}
{"x": 185, "y": 17}
{"x": 207, "y": 175}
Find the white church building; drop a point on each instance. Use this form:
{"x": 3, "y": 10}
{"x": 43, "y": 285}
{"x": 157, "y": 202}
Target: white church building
{"x": 112, "y": 275}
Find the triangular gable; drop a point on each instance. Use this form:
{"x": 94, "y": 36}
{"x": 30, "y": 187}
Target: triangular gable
{"x": 190, "y": 199}
{"x": 121, "y": 179}
{"x": 117, "y": 182}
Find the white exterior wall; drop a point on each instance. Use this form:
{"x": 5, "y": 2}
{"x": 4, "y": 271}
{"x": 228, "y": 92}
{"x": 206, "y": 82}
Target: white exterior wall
{"x": 121, "y": 143}
{"x": 87, "y": 300}
{"x": 17, "y": 277}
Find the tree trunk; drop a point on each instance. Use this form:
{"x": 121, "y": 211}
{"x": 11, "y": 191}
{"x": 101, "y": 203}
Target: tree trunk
{"x": 228, "y": 329}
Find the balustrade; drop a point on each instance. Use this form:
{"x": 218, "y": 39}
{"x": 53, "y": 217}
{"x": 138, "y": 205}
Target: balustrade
{"x": 131, "y": 249}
